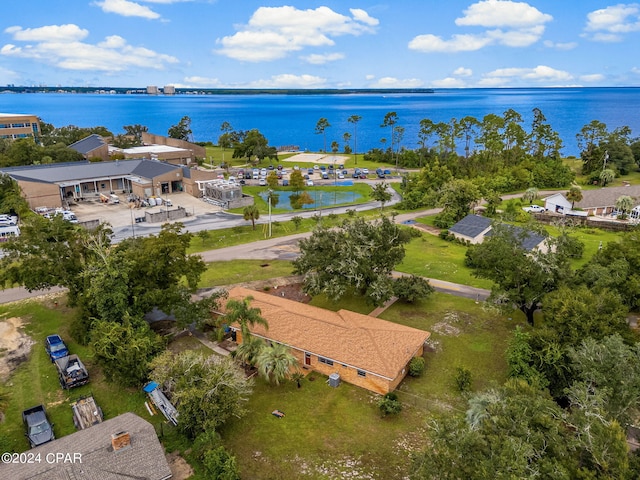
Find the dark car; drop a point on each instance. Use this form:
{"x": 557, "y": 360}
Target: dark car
{"x": 39, "y": 429}
{"x": 387, "y": 172}
{"x": 55, "y": 347}
{"x": 285, "y": 183}
{"x": 248, "y": 176}
{"x": 355, "y": 175}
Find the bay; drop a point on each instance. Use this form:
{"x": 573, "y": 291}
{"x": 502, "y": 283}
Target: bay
{"x": 291, "y": 119}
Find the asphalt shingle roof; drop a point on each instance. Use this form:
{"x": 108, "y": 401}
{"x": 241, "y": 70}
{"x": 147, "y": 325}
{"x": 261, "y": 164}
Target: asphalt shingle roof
{"x": 527, "y": 239}
{"x": 144, "y": 460}
{"x": 88, "y": 144}
{"x": 471, "y": 226}
{"x": 361, "y": 341}
{"x": 606, "y": 197}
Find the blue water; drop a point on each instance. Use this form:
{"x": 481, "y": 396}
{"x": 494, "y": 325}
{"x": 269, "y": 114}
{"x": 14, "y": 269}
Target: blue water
{"x": 322, "y": 199}
{"x": 291, "y": 119}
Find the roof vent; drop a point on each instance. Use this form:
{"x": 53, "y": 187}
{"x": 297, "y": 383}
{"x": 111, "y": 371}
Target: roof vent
{"x": 120, "y": 441}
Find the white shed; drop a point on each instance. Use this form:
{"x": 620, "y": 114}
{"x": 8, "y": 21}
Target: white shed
{"x": 557, "y": 203}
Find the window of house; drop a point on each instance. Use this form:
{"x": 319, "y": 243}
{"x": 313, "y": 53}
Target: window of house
{"x": 362, "y": 373}
{"x": 326, "y": 361}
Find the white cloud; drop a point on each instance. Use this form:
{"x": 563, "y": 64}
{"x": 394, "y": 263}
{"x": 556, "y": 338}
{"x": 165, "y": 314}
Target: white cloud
{"x": 608, "y": 24}
{"x": 53, "y": 33}
{"x": 197, "y": 81}
{"x": 287, "y": 80}
{"x": 502, "y": 13}
{"x": 60, "y": 46}
{"x": 127, "y": 9}
{"x": 370, "y": 77}
{"x": 392, "y": 82}
{"x": 275, "y": 32}
{"x": 560, "y": 45}
{"x": 493, "y": 82}
{"x": 593, "y": 77}
{"x": 635, "y": 70}
{"x": 448, "y": 82}
{"x": 541, "y": 73}
{"x": 463, "y": 72}
{"x": 459, "y": 43}
{"x": 513, "y": 24}
{"x": 319, "y": 59}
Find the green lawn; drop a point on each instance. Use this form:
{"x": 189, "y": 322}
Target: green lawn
{"x": 430, "y": 256}
{"x": 236, "y": 271}
{"x": 463, "y": 334}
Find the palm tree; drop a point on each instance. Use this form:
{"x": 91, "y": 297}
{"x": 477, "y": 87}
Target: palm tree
{"x": 355, "y": 119}
{"x": 276, "y": 362}
{"x": 606, "y": 176}
{"x": 624, "y": 204}
{"x": 530, "y": 195}
{"x": 574, "y": 194}
{"x": 249, "y": 350}
{"x": 251, "y": 213}
{"x": 239, "y": 311}
{"x": 321, "y": 128}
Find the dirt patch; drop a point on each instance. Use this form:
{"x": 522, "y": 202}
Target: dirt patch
{"x": 180, "y": 469}
{"x": 15, "y": 345}
{"x": 291, "y": 291}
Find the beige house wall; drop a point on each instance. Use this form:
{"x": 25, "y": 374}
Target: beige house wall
{"x": 190, "y": 185}
{"x": 41, "y": 194}
{"x": 349, "y": 374}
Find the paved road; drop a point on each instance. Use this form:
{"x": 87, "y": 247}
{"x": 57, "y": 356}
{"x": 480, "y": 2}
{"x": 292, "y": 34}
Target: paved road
{"x": 282, "y": 248}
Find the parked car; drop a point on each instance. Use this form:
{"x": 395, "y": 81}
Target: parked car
{"x": 262, "y": 182}
{"x": 39, "y": 429}
{"x": 279, "y": 167}
{"x": 365, "y": 171}
{"x": 285, "y": 183}
{"x": 310, "y": 171}
{"x": 534, "y": 209}
{"x": 340, "y": 175}
{"x": 355, "y": 175}
{"x": 316, "y": 167}
{"x": 387, "y": 172}
{"x": 325, "y": 176}
{"x": 309, "y": 183}
{"x": 55, "y": 347}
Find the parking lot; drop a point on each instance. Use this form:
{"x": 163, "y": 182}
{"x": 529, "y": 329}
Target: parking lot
{"x": 119, "y": 214}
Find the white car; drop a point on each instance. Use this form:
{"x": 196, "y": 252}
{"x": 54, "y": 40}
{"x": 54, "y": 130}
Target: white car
{"x": 534, "y": 209}
{"x": 365, "y": 171}
{"x": 309, "y": 183}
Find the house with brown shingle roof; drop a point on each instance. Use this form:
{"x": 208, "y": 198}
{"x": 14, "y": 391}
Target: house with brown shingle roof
{"x": 365, "y": 351}
{"x": 603, "y": 200}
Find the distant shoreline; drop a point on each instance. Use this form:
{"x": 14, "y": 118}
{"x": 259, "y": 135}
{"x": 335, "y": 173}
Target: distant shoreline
{"x": 215, "y": 91}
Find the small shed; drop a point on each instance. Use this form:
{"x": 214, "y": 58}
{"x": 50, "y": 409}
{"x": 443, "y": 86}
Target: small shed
{"x": 557, "y": 203}
{"x": 471, "y": 228}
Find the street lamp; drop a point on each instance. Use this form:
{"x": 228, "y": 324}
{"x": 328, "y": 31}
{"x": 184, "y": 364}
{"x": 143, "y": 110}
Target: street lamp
{"x": 269, "y": 199}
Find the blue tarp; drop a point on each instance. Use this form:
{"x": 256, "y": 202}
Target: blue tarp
{"x": 150, "y": 387}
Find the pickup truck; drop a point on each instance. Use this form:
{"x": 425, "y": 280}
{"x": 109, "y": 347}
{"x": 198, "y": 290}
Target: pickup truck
{"x": 86, "y": 413}
{"x": 71, "y": 372}
{"x": 39, "y": 429}
{"x": 55, "y": 347}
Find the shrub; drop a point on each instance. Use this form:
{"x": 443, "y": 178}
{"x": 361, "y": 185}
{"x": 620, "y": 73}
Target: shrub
{"x": 411, "y": 288}
{"x": 389, "y": 404}
{"x": 220, "y": 464}
{"x": 463, "y": 379}
{"x": 416, "y": 366}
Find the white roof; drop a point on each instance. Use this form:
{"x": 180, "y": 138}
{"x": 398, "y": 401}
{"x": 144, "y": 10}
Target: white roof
{"x": 153, "y": 149}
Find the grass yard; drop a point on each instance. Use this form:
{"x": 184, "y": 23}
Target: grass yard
{"x": 327, "y": 433}
{"x": 430, "y": 256}
{"x": 237, "y": 271}
{"x": 591, "y": 237}
{"x": 36, "y": 381}
{"x": 463, "y": 334}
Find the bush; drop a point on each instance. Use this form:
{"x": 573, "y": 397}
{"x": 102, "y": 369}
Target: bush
{"x": 416, "y": 366}
{"x": 463, "y": 379}
{"x": 411, "y": 288}
{"x": 389, "y": 404}
{"x": 220, "y": 464}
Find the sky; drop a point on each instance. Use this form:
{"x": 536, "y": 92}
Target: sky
{"x": 320, "y": 44}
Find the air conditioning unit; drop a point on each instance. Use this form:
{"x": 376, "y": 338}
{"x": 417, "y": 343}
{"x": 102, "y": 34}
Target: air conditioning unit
{"x": 334, "y": 380}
